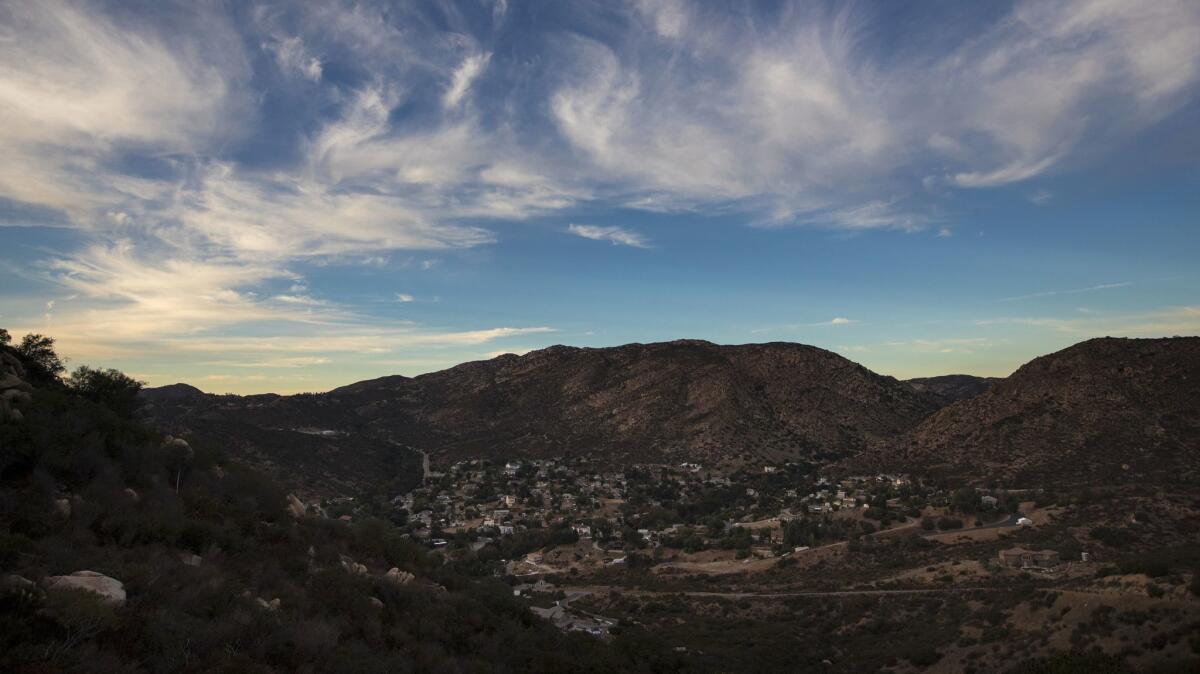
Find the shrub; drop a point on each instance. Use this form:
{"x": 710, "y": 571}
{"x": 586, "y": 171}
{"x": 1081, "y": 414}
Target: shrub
{"x": 1113, "y": 538}
{"x": 110, "y": 388}
{"x": 923, "y": 656}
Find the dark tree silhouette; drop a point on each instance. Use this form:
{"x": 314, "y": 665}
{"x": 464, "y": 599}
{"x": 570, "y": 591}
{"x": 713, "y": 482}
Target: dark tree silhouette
{"x": 111, "y": 388}
{"x": 41, "y": 361}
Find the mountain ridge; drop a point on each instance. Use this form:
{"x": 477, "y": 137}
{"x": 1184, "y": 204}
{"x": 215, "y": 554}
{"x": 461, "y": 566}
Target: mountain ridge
{"x": 1104, "y": 410}
{"x": 682, "y": 400}
{"x": 728, "y": 405}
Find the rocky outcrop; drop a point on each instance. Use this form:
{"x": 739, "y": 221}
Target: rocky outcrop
{"x": 296, "y": 507}
{"x": 110, "y": 590}
{"x": 18, "y": 584}
{"x": 398, "y": 577}
{"x": 272, "y": 605}
{"x": 353, "y": 566}
{"x": 14, "y": 390}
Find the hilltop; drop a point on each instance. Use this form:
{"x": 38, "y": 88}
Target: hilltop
{"x": 685, "y": 400}
{"x": 951, "y": 388}
{"x": 1102, "y": 411}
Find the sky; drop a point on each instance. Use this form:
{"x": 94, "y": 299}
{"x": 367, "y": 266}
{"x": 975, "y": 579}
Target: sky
{"x": 289, "y": 196}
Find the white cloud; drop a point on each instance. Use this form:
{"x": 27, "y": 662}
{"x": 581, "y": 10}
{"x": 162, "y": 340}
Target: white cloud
{"x": 615, "y": 235}
{"x": 964, "y": 345}
{"x": 464, "y": 75}
{"x": 1183, "y": 320}
{"x": 404, "y": 297}
{"x": 293, "y": 58}
{"x": 667, "y": 16}
{"x": 837, "y": 321}
{"x": 1072, "y": 291}
{"x": 1041, "y": 197}
{"x": 793, "y": 117}
{"x": 300, "y": 299}
{"x": 792, "y": 121}
{"x": 75, "y": 90}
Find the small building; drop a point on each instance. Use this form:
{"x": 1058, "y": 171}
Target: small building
{"x": 989, "y": 500}
{"x": 1023, "y": 558}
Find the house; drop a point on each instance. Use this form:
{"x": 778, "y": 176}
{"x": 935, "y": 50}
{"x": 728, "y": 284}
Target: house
{"x": 989, "y": 500}
{"x": 1024, "y": 522}
{"x": 583, "y": 530}
{"x": 1023, "y": 558}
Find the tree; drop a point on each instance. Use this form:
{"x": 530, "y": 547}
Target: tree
{"x": 111, "y": 388}
{"x": 5, "y": 338}
{"x": 966, "y": 500}
{"x": 41, "y": 362}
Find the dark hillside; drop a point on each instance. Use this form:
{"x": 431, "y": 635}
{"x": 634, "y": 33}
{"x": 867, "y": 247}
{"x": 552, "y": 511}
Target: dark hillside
{"x": 122, "y": 550}
{"x": 674, "y": 401}
{"x": 1103, "y": 411}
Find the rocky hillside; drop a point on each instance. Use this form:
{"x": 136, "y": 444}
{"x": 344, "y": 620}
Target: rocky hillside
{"x": 122, "y": 550}
{"x": 1100, "y": 412}
{"x": 684, "y": 400}
{"x": 951, "y": 388}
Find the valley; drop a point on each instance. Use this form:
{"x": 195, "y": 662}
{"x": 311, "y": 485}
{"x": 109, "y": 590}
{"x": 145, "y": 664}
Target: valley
{"x": 1048, "y": 515}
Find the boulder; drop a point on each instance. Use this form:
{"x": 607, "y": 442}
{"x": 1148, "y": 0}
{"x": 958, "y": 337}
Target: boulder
{"x": 62, "y": 508}
{"x": 189, "y": 559}
{"x": 10, "y": 364}
{"x": 13, "y": 389}
{"x": 272, "y": 605}
{"x": 133, "y": 495}
{"x": 111, "y": 590}
{"x": 296, "y": 507}
{"x": 376, "y": 602}
{"x": 399, "y": 577}
{"x": 15, "y": 583}
{"x": 14, "y": 396}
{"x": 11, "y": 382}
{"x": 353, "y": 566}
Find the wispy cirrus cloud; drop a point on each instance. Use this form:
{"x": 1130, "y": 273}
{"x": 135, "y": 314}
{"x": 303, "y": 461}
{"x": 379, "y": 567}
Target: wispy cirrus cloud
{"x": 616, "y": 235}
{"x": 237, "y": 146}
{"x": 835, "y": 322}
{"x": 1180, "y": 320}
{"x": 1070, "y": 291}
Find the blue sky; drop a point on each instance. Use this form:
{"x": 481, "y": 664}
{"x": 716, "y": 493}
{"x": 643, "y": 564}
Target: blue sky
{"x": 293, "y": 196}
